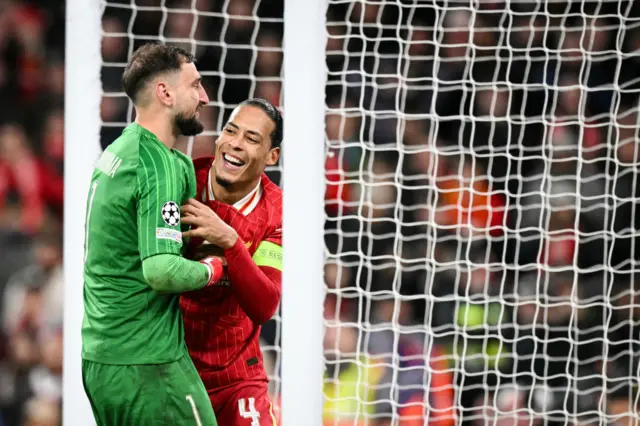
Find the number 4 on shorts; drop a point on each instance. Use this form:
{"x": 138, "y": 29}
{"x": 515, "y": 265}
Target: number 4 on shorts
{"x": 251, "y": 413}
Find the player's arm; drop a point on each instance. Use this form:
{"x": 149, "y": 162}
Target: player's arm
{"x": 257, "y": 281}
{"x": 159, "y": 235}
{"x": 170, "y": 273}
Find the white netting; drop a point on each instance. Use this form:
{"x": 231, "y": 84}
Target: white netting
{"x": 481, "y": 197}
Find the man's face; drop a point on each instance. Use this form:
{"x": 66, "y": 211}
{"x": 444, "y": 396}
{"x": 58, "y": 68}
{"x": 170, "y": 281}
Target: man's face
{"x": 190, "y": 97}
{"x": 243, "y": 149}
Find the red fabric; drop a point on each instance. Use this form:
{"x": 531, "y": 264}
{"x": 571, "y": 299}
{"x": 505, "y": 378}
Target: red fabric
{"x": 222, "y": 322}
{"x": 248, "y": 280}
{"x": 216, "y": 269}
{"x": 36, "y": 184}
{"x": 30, "y": 21}
{"x": 245, "y": 404}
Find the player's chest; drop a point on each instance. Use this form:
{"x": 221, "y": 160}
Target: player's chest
{"x": 250, "y": 227}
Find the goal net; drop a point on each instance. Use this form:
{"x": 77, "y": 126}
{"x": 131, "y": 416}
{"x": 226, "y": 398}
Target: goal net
{"x": 481, "y": 196}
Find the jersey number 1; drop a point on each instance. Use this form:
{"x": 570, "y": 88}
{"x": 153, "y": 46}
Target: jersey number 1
{"x": 251, "y": 413}
{"x": 92, "y": 195}
{"x": 195, "y": 410}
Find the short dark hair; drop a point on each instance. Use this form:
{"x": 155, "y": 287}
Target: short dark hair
{"x": 275, "y": 116}
{"x": 147, "y": 62}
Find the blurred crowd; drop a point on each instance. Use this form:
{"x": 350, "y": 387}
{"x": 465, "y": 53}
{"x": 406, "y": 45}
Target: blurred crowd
{"x": 480, "y": 207}
{"x": 481, "y": 212}
{"x": 31, "y": 201}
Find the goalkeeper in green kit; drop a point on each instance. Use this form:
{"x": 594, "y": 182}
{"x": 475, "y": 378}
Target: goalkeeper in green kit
{"x": 135, "y": 365}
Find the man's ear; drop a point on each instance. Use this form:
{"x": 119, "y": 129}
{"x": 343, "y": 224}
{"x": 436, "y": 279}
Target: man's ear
{"x": 164, "y": 93}
{"x": 273, "y": 156}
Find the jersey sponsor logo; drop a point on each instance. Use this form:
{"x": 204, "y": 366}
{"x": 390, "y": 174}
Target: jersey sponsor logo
{"x": 169, "y": 234}
{"x": 108, "y": 163}
{"x": 171, "y": 213}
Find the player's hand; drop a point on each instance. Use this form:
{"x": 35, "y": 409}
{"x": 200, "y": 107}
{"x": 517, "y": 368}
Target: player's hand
{"x": 207, "y": 225}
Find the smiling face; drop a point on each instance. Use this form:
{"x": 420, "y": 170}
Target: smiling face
{"x": 244, "y": 148}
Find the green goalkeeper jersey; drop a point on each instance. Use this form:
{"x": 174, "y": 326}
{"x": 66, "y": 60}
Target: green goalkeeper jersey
{"x": 133, "y": 212}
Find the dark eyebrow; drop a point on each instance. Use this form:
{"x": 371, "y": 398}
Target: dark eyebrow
{"x": 254, "y": 133}
{"x": 198, "y": 80}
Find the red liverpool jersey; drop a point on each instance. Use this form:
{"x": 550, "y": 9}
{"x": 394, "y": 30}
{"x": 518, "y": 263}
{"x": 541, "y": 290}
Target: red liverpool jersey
{"x": 222, "y": 323}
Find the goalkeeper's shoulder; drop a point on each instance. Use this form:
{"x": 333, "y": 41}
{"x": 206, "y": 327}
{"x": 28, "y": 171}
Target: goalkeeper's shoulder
{"x": 121, "y": 159}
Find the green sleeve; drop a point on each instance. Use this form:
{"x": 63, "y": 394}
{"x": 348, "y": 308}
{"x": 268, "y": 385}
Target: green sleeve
{"x": 170, "y": 273}
{"x": 160, "y": 194}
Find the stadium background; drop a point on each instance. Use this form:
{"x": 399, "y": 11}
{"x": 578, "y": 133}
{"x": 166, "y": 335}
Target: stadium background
{"x": 578, "y": 261}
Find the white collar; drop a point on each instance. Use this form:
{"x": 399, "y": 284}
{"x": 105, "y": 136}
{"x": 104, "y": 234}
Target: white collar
{"x": 244, "y": 206}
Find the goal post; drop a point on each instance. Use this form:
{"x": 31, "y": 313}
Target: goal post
{"x": 83, "y": 94}
{"x": 303, "y": 215}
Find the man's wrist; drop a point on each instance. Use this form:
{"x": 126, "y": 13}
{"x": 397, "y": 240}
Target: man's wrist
{"x": 230, "y": 240}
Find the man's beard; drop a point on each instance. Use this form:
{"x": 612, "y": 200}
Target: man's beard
{"x": 188, "y": 126}
{"x": 223, "y": 182}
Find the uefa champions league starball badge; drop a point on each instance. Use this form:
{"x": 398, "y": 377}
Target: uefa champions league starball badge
{"x": 171, "y": 213}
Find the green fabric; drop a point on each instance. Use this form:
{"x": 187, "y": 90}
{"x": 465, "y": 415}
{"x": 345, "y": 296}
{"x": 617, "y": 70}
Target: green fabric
{"x": 125, "y": 320}
{"x": 170, "y": 394}
{"x": 168, "y": 273}
{"x": 268, "y": 254}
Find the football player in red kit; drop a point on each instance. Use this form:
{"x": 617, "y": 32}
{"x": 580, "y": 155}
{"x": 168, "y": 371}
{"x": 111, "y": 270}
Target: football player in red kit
{"x": 236, "y": 223}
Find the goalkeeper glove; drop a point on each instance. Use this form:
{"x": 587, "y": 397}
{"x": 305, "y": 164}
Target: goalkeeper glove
{"x": 216, "y": 269}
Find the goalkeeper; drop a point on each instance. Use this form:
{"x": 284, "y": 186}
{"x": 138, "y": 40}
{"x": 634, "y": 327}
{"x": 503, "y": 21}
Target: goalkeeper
{"x": 136, "y": 368}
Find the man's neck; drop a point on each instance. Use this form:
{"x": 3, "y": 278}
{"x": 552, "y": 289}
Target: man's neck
{"x": 232, "y": 194}
{"x": 159, "y": 125}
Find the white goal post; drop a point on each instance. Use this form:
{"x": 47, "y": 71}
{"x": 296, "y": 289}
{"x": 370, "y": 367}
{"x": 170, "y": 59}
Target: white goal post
{"x": 303, "y": 212}
{"x": 83, "y": 94}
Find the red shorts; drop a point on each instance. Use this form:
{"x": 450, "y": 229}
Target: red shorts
{"x": 244, "y": 404}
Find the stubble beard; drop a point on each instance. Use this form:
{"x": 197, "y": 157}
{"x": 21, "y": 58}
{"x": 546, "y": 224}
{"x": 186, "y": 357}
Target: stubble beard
{"x": 223, "y": 182}
{"x": 188, "y": 126}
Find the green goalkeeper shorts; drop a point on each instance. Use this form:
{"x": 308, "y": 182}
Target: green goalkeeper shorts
{"x": 169, "y": 394}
